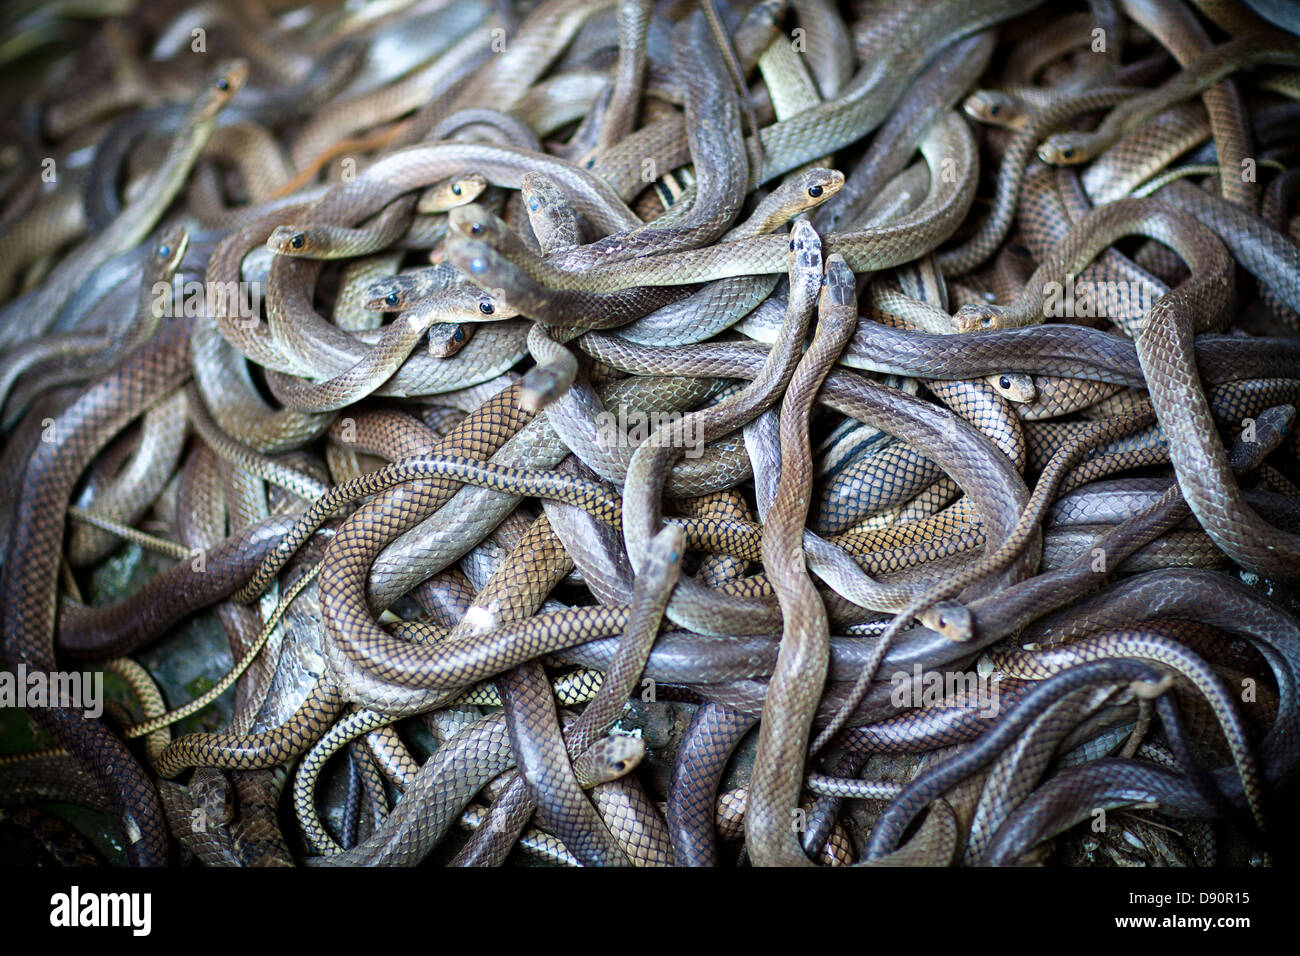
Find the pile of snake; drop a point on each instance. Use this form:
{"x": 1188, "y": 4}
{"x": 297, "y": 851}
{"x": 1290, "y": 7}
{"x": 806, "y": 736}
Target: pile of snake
{"x": 635, "y": 433}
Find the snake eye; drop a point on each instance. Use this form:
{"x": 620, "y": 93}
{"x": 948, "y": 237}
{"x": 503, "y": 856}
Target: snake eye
{"x": 223, "y": 84}
{"x": 815, "y": 191}
{"x": 476, "y": 229}
{"x": 995, "y": 109}
{"x": 458, "y": 335}
{"x": 1067, "y": 153}
{"x": 533, "y": 204}
{"x": 941, "y": 623}
{"x": 1004, "y": 382}
{"x": 486, "y": 308}
{"x": 391, "y": 298}
{"x": 164, "y": 251}
{"x": 298, "y": 241}
{"x": 478, "y": 264}
{"x": 455, "y": 189}
{"x": 986, "y": 322}
{"x": 673, "y": 556}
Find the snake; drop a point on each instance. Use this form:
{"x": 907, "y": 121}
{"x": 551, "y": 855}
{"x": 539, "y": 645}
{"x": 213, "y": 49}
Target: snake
{"x": 801, "y": 665}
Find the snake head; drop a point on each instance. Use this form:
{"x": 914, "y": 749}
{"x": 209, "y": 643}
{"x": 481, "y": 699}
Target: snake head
{"x": 837, "y": 303}
{"x": 476, "y": 260}
{"x": 226, "y": 80}
{"x": 953, "y": 621}
{"x": 608, "y": 759}
{"x": 805, "y": 249}
{"x": 510, "y": 292}
{"x": 211, "y": 790}
{"x": 1253, "y": 444}
{"x": 667, "y": 548}
{"x": 540, "y": 386}
{"x": 815, "y": 186}
{"x": 810, "y": 188}
{"x": 456, "y": 191}
{"x": 405, "y": 291}
{"x": 169, "y": 252}
{"x": 1273, "y": 423}
{"x": 1065, "y": 149}
{"x": 1015, "y": 387}
{"x": 292, "y": 241}
{"x": 474, "y": 222}
{"x": 390, "y": 294}
{"x": 978, "y": 317}
{"x": 468, "y": 303}
{"x": 996, "y": 108}
{"x": 552, "y": 217}
{"x": 538, "y": 189}
{"x": 448, "y": 338}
